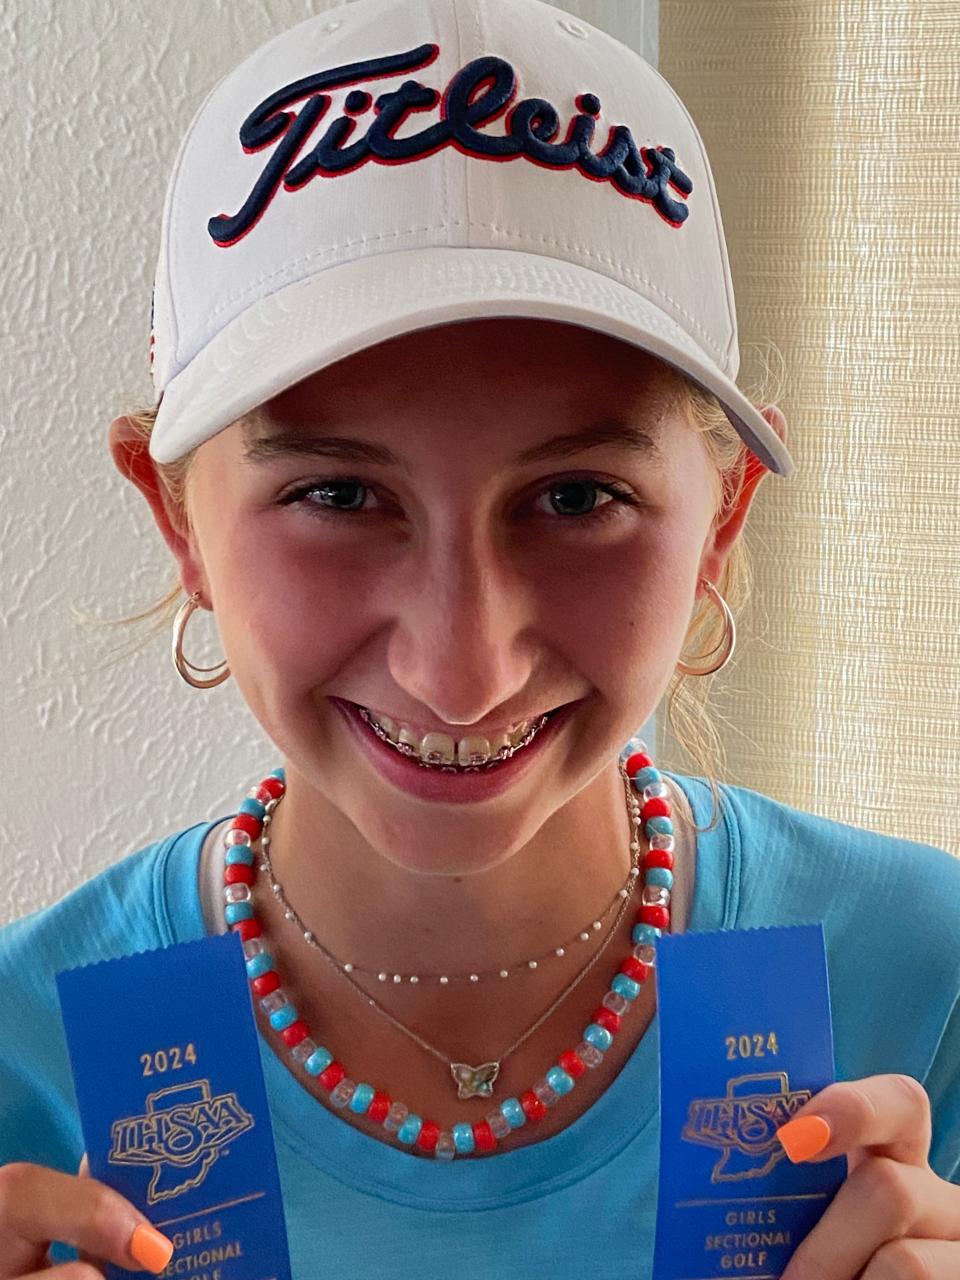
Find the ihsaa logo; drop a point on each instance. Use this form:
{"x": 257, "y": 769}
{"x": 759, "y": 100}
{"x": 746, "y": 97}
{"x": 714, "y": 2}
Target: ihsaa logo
{"x": 181, "y": 1134}
{"x": 744, "y": 1124}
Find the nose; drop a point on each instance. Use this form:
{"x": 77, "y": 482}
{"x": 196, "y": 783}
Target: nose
{"x": 463, "y": 640}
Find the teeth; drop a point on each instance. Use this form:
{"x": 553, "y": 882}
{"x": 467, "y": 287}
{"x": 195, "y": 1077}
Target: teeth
{"x": 440, "y": 749}
{"x": 474, "y": 750}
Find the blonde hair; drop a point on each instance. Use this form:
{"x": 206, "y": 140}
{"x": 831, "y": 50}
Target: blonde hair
{"x": 688, "y": 711}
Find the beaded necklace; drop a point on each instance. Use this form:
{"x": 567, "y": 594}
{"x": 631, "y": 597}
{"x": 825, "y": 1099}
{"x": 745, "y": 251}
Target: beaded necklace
{"x": 406, "y": 1127}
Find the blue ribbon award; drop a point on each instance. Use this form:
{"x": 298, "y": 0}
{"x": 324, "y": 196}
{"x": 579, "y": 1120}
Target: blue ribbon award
{"x": 166, "y": 1065}
{"x": 745, "y": 1040}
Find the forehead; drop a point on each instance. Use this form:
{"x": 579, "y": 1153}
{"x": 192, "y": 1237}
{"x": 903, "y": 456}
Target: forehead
{"x": 545, "y": 369}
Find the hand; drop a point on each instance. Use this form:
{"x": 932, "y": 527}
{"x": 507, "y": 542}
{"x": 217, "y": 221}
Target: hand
{"x": 39, "y": 1205}
{"x": 893, "y": 1218}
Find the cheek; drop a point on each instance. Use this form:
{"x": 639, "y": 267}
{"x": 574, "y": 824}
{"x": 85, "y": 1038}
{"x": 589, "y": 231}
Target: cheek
{"x": 628, "y": 607}
{"x": 289, "y": 604}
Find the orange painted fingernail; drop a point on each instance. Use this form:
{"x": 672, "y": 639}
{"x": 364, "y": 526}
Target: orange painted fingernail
{"x": 151, "y": 1248}
{"x": 804, "y": 1137}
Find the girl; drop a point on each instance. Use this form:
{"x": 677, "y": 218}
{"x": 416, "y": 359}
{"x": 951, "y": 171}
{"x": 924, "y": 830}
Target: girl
{"x": 448, "y": 441}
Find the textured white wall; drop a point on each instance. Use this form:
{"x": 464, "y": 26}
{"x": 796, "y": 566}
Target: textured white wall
{"x": 103, "y": 753}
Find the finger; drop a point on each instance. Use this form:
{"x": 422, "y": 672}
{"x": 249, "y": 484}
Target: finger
{"x": 67, "y": 1271}
{"x": 886, "y": 1115}
{"x": 937, "y": 1259}
{"x": 83, "y": 1170}
{"x": 38, "y": 1205}
{"x": 881, "y": 1201}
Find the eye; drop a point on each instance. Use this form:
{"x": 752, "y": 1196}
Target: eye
{"x": 578, "y": 498}
{"x": 337, "y": 496}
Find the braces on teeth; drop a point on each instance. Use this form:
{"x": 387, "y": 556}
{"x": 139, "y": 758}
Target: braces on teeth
{"x": 433, "y": 760}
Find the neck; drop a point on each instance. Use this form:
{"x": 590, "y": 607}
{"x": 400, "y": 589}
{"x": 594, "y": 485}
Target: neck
{"x": 377, "y": 915}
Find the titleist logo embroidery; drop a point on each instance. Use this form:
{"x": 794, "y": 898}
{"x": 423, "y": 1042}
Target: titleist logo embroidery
{"x": 477, "y": 94}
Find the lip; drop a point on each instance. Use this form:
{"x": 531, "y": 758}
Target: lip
{"x": 449, "y": 788}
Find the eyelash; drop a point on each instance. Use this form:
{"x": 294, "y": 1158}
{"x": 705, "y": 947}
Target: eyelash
{"x": 620, "y": 495}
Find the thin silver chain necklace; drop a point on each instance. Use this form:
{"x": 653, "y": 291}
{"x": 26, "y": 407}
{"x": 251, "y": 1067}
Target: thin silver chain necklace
{"x": 471, "y": 1081}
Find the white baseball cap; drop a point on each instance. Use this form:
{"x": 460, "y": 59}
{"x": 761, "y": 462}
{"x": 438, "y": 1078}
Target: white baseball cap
{"x": 391, "y": 165}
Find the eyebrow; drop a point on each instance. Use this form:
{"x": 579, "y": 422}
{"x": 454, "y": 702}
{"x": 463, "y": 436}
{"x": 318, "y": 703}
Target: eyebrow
{"x": 617, "y": 432}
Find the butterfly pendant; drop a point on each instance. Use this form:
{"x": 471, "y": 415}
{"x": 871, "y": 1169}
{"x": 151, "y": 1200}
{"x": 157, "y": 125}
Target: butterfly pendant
{"x": 475, "y": 1082}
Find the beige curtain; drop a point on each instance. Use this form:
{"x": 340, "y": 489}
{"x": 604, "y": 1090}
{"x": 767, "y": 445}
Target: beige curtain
{"x": 833, "y": 130}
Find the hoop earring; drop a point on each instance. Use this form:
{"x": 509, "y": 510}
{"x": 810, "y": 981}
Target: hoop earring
{"x": 727, "y": 644}
{"x": 180, "y": 662}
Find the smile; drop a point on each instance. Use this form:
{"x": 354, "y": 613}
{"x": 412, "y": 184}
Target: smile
{"x": 441, "y": 751}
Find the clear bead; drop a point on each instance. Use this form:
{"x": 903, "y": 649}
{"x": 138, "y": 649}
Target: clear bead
{"x": 236, "y": 893}
{"x": 656, "y": 791}
{"x": 545, "y": 1091}
{"x": 274, "y": 1001}
{"x": 395, "y": 1117}
{"x": 655, "y": 895}
{"x": 498, "y": 1122}
{"x": 589, "y": 1053}
{"x": 615, "y": 1002}
{"x": 446, "y": 1148}
{"x": 341, "y": 1094}
{"x": 660, "y": 841}
{"x": 645, "y": 953}
{"x": 252, "y": 947}
{"x": 302, "y": 1051}
{"x": 234, "y": 836}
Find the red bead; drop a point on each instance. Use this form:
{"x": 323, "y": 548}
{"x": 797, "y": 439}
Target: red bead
{"x": 266, "y": 983}
{"x": 655, "y": 807}
{"x": 428, "y": 1135}
{"x": 276, "y": 789}
{"x": 634, "y": 969}
{"x": 247, "y": 822}
{"x": 483, "y": 1136}
{"x": 332, "y": 1076}
{"x": 659, "y": 917}
{"x": 379, "y": 1107}
{"x": 247, "y": 929}
{"x": 533, "y": 1108}
{"x": 606, "y": 1018}
{"x": 658, "y": 858}
{"x": 572, "y": 1063}
{"x": 296, "y": 1032}
{"x": 239, "y": 873}
{"x": 636, "y": 762}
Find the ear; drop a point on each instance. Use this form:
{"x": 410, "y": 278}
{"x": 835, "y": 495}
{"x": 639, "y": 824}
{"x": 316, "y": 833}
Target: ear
{"x": 723, "y": 535}
{"x": 132, "y": 459}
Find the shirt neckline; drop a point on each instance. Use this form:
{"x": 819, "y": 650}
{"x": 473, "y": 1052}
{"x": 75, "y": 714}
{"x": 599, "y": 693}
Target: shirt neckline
{"x": 623, "y": 1115}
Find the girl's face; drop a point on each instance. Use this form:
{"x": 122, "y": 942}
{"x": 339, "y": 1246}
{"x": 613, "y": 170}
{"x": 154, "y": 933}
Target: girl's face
{"x": 457, "y": 585}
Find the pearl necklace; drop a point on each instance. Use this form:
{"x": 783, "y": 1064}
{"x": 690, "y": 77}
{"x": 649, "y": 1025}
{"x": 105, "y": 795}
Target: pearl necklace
{"x": 408, "y": 1128}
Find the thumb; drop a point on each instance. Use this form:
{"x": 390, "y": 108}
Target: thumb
{"x": 84, "y": 1170}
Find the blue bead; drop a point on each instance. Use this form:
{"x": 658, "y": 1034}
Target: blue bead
{"x": 282, "y": 1017}
{"x": 279, "y": 773}
{"x": 318, "y": 1061}
{"x": 625, "y": 987}
{"x": 362, "y": 1097}
{"x": 647, "y": 933}
{"x": 259, "y": 964}
{"x": 646, "y": 777}
{"x": 253, "y": 806}
{"x": 463, "y": 1138}
{"x": 598, "y": 1036}
{"x": 239, "y": 853}
{"x": 658, "y": 826}
{"x": 235, "y": 911}
{"x": 410, "y": 1129}
{"x": 662, "y": 876}
{"x": 561, "y": 1080}
{"x": 513, "y": 1112}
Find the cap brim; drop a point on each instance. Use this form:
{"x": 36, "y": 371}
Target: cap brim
{"x": 303, "y": 327}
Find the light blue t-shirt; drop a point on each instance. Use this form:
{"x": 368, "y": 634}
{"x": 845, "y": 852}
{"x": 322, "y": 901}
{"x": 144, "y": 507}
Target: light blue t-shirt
{"x": 583, "y": 1202}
